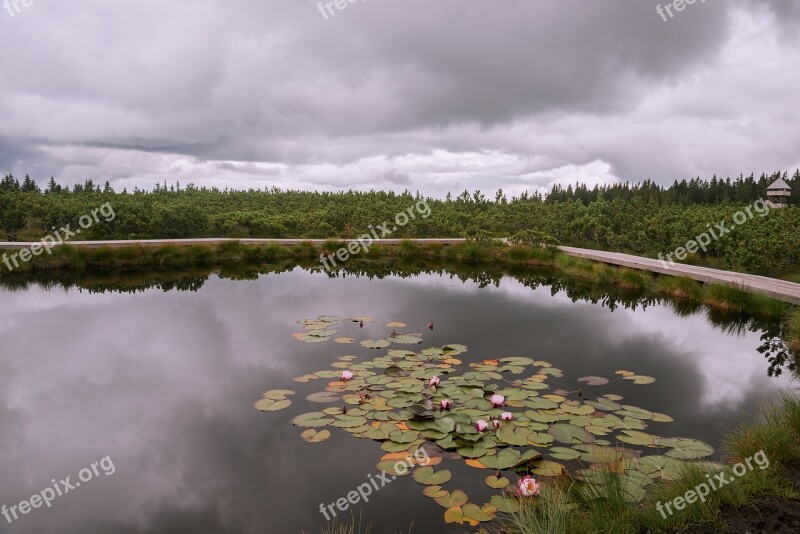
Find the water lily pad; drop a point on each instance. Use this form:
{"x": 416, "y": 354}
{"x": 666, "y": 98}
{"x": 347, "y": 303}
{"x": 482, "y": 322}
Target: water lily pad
{"x": 563, "y": 453}
{"x": 664, "y": 467}
{"x": 594, "y": 380}
{"x": 395, "y": 468}
{"x": 504, "y": 459}
{"x": 395, "y": 325}
{"x": 472, "y": 451}
{"x": 507, "y": 505}
{"x": 344, "y": 340}
{"x": 475, "y": 512}
{"x": 375, "y": 343}
{"x": 547, "y": 468}
{"x": 662, "y": 418}
{"x": 278, "y": 394}
{"x": 457, "y": 498}
{"x": 496, "y": 483}
{"x": 305, "y": 338}
{"x": 348, "y": 421}
{"x": 513, "y": 436}
{"x": 456, "y": 515}
{"x": 270, "y": 405}
{"x": 305, "y": 378}
{"x": 640, "y": 379}
{"x": 686, "y": 448}
{"x": 312, "y": 436}
{"x": 635, "y": 412}
{"x": 634, "y": 437}
{"x": 323, "y": 397}
{"x": 569, "y": 434}
{"x": 312, "y": 419}
{"x": 404, "y": 339}
{"x": 435, "y": 492}
{"x": 426, "y": 475}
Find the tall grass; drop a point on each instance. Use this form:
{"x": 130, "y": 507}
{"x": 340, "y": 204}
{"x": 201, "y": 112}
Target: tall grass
{"x": 737, "y": 300}
{"x": 567, "y": 506}
{"x": 632, "y": 279}
{"x": 680, "y": 287}
{"x": 409, "y": 249}
{"x": 793, "y": 330}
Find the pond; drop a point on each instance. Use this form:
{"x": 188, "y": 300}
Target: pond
{"x": 162, "y": 385}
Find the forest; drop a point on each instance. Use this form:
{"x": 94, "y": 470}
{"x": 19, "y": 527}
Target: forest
{"x": 644, "y": 218}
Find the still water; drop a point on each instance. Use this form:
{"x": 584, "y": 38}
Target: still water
{"x": 163, "y": 382}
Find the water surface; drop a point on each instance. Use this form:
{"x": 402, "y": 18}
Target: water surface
{"x": 163, "y": 382}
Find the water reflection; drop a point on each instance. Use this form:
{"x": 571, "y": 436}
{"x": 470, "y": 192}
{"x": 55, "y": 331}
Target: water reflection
{"x": 161, "y": 376}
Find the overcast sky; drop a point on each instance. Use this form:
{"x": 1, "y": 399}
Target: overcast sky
{"x": 433, "y": 95}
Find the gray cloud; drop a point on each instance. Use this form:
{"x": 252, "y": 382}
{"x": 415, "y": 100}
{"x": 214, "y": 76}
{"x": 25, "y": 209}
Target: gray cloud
{"x": 271, "y": 93}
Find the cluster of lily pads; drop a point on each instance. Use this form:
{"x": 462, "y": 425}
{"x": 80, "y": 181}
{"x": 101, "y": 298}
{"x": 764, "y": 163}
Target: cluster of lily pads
{"x": 321, "y": 329}
{"x": 497, "y": 414}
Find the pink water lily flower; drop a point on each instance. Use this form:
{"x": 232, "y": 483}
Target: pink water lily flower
{"x": 445, "y": 403}
{"x": 481, "y": 425}
{"x": 346, "y": 375}
{"x": 507, "y": 416}
{"x": 497, "y": 400}
{"x": 527, "y": 487}
{"x": 496, "y": 424}
{"x": 433, "y": 382}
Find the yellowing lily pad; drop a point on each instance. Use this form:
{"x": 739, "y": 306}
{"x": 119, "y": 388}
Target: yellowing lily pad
{"x": 312, "y": 436}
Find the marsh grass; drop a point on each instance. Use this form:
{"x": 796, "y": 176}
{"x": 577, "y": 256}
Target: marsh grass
{"x": 353, "y": 526}
{"x": 202, "y": 254}
{"x": 332, "y": 245}
{"x": 719, "y": 298}
{"x": 566, "y": 506}
{"x": 304, "y": 251}
{"x": 736, "y": 300}
{"x": 680, "y": 287}
{"x": 793, "y": 330}
{"x": 471, "y": 253}
{"x": 409, "y": 249}
{"x": 632, "y": 279}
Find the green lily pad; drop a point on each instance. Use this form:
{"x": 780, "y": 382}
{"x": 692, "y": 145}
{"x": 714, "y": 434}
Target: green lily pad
{"x": 504, "y": 459}
{"x": 563, "y": 453}
{"x": 405, "y": 339}
{"x": 278, "y": 394}
{"x": 513, "y": 436}
{"x": 496, "y": 483}
{"x": 269, "y": 405}
{"x": 640, "y": 379}
{"x": 426, "y": 475}
{"x": 508, "y": 505}
{"x": 594, "y": 380}
{"x": 375, "y": 343}
{"x": 569, "y": 434}
{"x": 547, "y": 468}
{"x": 323, "y": 397}
{"x": 457, "y": 498}
{"x": 475, "y": 512}
{"x": 687, "y": 448}
{"x": 435, "y": 492}
{"x": 312, "y": 419}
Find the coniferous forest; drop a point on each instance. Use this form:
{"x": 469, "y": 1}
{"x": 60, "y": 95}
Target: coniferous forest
{"x": 643, "y": 218}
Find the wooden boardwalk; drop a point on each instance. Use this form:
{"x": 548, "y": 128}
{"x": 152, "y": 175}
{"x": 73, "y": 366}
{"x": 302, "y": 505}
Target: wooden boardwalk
{"x": 771, "y": 287}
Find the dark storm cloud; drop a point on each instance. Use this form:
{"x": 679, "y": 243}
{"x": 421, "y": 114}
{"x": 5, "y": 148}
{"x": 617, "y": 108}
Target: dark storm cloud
{"x": 199, "y": 90}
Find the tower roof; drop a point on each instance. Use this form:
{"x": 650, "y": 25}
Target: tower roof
{"x": 778, "y": 184}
